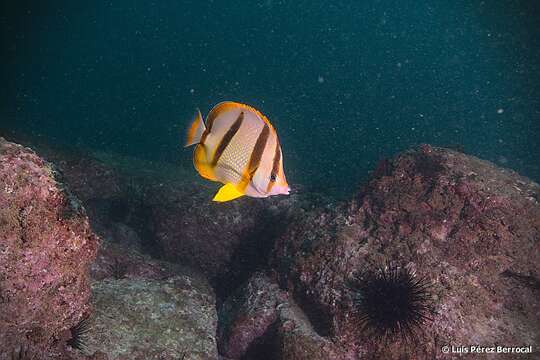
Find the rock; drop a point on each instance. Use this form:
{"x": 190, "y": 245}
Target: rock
{"x": 153, "y": 319}
{"x": 226, "y": 241}
{"x": 247, "y": 315}
{"x": 259, "y": 321}
{"x": 145, "y": 308}
{"x": 130, "y": 201}
{"x": 299, "y": 341}
{"x": 110, "y": 197}
{"x": 468, "y": 227}
{"x": 118, "y": 261}
{"x": 46, "y": 246}
{"x": 87, "y": 177}
{"x": 168, "y": 212}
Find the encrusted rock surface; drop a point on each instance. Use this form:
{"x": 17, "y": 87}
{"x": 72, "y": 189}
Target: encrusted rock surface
{"x": 46, "y": 246}
{"x": 168, "y": 211}
{"x": 88, "y": 178}
{"x": 298, "y": 340}
{"x": 259, "y": 321}
{"x": 146, "y": 308}
{"x": 470, "y": 228}
{"x": 118, "y": 261}
{"x": 247, "y": 315}
{"x": 154, "y": 319}
{"x": 226, "y": 241}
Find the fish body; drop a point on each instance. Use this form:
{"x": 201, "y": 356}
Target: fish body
{"x": 239, "y": 147}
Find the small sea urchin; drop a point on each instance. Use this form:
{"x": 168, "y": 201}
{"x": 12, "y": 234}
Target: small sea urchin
{"x": 391, "y": 302}
{"x": 118, "y": 269}
{"x": 78, "y": 333}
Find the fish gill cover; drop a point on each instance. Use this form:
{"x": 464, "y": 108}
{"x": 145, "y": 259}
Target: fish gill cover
{"x": 346, "y": 83}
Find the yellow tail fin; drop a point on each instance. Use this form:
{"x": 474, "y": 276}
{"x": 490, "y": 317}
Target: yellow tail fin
{"x": 227, "y": 192}
{"x": 196, "y": 130}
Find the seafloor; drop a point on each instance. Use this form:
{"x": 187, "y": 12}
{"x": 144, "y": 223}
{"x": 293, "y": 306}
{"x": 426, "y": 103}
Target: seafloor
{"x": 104, "y": 257}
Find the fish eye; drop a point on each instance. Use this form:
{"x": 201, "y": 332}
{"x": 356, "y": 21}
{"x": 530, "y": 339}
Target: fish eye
{"x": 272, "y": 177}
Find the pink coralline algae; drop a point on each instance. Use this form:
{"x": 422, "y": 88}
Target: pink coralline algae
{"x": 468, "y": 227}
{"x": 46, "y": 246}
{"x": 292, "y": 276}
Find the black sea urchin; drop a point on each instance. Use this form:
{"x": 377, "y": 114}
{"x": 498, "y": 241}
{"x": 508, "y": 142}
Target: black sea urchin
{"x": 391, "y": 302}
{"x": 78, "y": 333}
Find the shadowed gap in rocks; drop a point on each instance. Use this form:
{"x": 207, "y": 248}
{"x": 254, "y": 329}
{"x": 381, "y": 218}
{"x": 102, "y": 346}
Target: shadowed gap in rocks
{"x": 142, "y": 223}
{"x": 118, "y": 209}
{"x": 319, "y": 317}
{"x": 251, "y": 255}
{"x": 103, "y": 213}
{"x": 266, "y": 347}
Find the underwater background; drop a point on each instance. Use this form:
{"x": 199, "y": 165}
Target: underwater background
{"x": 346, "y": 83}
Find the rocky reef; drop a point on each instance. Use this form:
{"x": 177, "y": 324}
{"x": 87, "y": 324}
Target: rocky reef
{"x": 453, "y": 238}
{"x": 46, "y": 246}
{"x": 145, "y": 308}
{"x": 466, "y": 233}
{"x": 225, "y": 241}
{"x": 71, "y": 288}
{"x": 467, "y": 227}
{"x": 153, "y": 319}
{"x": 261, "y": 321}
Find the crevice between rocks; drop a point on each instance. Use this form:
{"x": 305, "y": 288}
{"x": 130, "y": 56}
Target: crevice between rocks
{"x": 318, "y": 316}
{"x": 251, "y": 255}
{"x": 265, "y": 347}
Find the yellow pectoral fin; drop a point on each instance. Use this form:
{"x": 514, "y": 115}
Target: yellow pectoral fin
{"x": 227, "y": 192}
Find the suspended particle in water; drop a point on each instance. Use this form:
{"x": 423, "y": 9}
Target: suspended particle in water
{"x": 502, "y": 159}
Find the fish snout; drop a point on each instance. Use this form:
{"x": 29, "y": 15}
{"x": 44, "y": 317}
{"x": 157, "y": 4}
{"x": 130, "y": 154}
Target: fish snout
{"x": 285, "y": 190}
{"x": 280, "y": 190}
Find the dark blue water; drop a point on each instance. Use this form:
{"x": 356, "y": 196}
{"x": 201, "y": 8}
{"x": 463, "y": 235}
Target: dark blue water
{"x": 346, "y": 83}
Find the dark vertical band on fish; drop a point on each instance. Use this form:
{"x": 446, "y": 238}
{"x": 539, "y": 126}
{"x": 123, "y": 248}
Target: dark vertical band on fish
{"x": 225, "y": 141}
{"x": 275, "y": 166}
{"x": 256, "y": 156}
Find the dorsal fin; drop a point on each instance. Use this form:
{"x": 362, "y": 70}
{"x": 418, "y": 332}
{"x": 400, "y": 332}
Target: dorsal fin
{"x": 195, "y": 130}
{"x": 228, "y": 105}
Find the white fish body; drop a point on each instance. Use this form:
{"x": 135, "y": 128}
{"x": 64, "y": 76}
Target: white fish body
{"x": 239, "y": 148}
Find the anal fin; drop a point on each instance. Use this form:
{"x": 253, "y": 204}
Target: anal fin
{"x": 227, "y": 192}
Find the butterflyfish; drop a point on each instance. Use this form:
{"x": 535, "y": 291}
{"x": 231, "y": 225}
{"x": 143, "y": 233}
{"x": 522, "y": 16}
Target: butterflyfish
{"x": 238, "y": 147}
